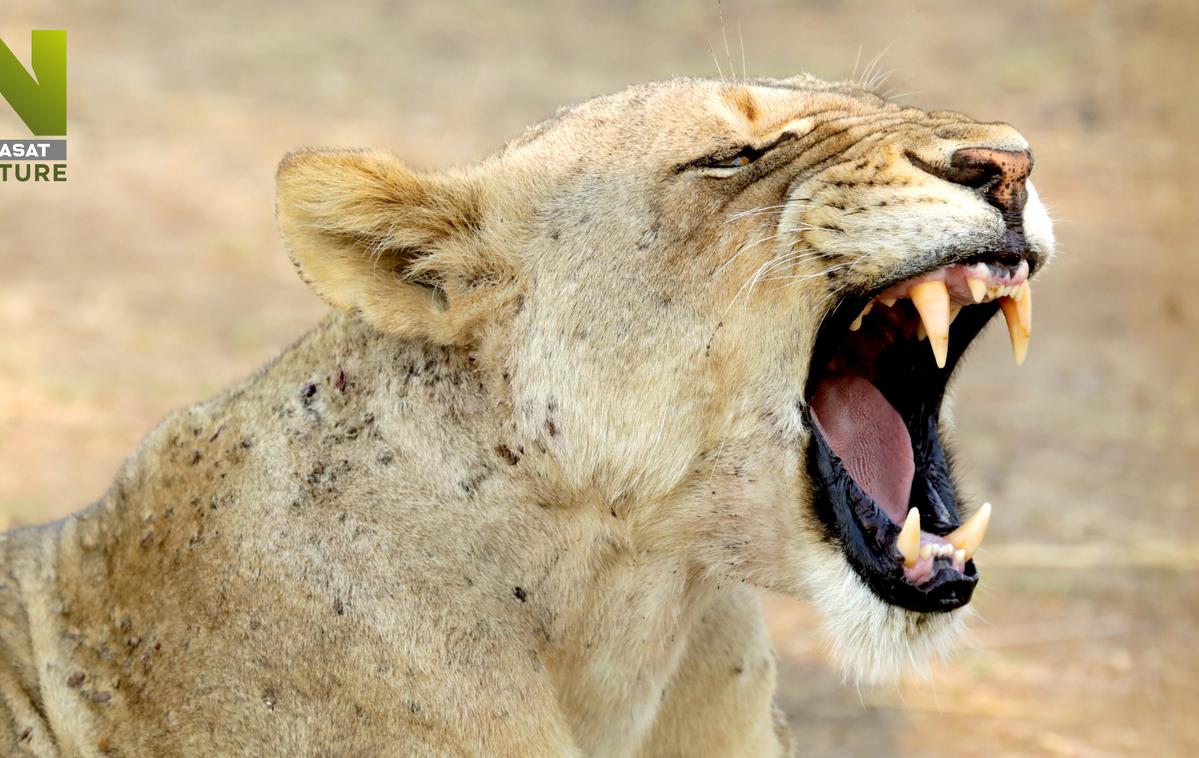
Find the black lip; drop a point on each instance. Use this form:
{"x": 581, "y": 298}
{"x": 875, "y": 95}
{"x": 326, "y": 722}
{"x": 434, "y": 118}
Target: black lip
{"x": 915, "y": 386}
{"x": 867, "y": 536}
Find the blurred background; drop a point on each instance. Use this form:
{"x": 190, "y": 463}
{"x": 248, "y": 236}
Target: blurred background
{"x": 154, "y": 277}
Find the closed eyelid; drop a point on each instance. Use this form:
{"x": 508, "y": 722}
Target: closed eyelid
{"x": 785, "y": 136}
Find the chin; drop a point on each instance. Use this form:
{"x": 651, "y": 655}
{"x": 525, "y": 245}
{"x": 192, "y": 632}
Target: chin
{"x": 870, "y": 640}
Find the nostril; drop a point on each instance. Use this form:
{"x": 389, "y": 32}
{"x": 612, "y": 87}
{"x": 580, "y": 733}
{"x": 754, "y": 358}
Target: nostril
{"x": 974, "y": 176}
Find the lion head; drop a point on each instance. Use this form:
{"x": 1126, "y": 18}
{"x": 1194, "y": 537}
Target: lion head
{"x": 723, "y": 313}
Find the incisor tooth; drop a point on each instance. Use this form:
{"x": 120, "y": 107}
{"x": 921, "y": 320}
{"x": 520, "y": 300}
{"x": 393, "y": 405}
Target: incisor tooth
{"x": 978, "y": 288}
{"x": 926, "y": 550}
{"x": 931, "y": 299}
{"x": 1018, "y": 313}
{"x": 969, "y": 535}
{"x": 959, "y": 556}
{"x": 909, "y": 538}
{"x": 888, "y": 301}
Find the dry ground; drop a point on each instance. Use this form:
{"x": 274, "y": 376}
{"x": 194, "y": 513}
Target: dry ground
{"x": 154, "y": 277}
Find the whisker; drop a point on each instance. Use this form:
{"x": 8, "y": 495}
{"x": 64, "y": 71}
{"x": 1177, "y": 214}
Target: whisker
{"x": 776, "y": 209}
{"x": 869, "y": 72}
{"x": 747, "y": 283}
{"x": 768, "y": 266}
{"x": 800, "y": 259}
{"x": 880, "y": 79}
{"x": 744, "y": 70}
{"x": 751, "y": 211}
{"x": 795, "y": 256}
{"x": 809, "y": 255}
{"x": 719, "y": 70}
{"x": 749, "y": 246}
{"x": 746, "y": 248}
{"x": 765, "y": 208}
{"x": 797, "y": 279}
{"x": 727, "y": 55}
{"x": 786, "y": 261}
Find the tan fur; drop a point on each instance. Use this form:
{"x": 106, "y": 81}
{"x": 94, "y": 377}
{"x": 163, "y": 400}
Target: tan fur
{"x": 516, "y": 494}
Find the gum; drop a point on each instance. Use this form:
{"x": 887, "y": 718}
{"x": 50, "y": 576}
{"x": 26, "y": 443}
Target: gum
{"x": 955, "y": 281}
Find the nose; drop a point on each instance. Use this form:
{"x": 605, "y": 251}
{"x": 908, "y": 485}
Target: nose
{"x": 997, "y": 175}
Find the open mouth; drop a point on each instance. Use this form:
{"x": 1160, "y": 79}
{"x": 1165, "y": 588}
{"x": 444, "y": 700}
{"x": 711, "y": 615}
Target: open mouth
{"x": 878, "y": 376}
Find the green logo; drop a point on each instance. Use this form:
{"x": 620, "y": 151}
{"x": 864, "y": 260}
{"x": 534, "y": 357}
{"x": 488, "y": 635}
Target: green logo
{"x": 41, "y": 99}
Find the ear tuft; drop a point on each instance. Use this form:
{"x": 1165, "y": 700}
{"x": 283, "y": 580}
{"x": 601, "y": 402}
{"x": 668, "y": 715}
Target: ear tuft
{"x": 370, "y": 235}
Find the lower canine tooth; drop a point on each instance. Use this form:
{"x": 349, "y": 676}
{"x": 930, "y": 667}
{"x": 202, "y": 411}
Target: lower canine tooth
{"x": 969, "y": 535}
{"x": 909, "y": 538}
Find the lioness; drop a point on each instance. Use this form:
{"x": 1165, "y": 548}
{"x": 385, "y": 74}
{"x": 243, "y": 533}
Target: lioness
{"x": 572, "y": 408}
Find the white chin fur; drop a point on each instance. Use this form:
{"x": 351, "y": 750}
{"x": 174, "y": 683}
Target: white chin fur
{"x": 873, "y": 641}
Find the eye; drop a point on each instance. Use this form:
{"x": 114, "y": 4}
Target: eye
{"x": 744, "y": 157}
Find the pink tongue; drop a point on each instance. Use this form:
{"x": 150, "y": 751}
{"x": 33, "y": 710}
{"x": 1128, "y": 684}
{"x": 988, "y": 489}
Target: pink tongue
{"x": 869, "y": 437}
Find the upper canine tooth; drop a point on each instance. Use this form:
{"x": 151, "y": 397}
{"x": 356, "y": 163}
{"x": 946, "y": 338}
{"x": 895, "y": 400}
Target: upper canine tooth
{"x": 931, "y": 299}
{"x": 857, "y": 322}
{"x": 954, "y": 310}
{"x": 1024, "y": 312}
{"x": 978, "y": 288}
{"x": 969, "y": 535}
{"x": 1018, "y": 312}
{"x": 909, "y": 538}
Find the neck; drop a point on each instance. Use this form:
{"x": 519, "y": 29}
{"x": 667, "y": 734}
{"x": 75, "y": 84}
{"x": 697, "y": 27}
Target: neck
{"x": 609, "y": 613}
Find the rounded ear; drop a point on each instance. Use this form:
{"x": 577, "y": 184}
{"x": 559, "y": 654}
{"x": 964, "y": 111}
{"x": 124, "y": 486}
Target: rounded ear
{"x": 370, "y": 235}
